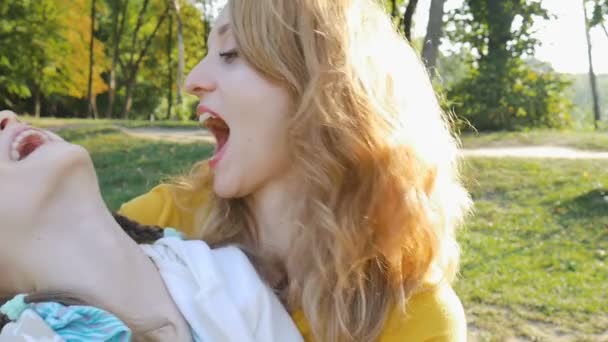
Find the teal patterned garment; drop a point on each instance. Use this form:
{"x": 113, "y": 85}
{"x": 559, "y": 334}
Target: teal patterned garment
{"x": 73, "y": 323}
{"x": 82, "y": 323}
{"x": 77, "y": 323}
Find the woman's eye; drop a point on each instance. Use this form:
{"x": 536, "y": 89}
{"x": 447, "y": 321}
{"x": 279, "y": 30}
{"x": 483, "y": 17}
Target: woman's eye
{"x": 229, "y": 56}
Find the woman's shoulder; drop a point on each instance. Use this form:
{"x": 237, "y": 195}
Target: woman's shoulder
{"x": 432, "y": 315}
{"x": 159, "y": 207}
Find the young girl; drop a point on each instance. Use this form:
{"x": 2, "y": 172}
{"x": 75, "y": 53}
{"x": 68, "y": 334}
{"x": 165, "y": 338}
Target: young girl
{"x": 333, "y": 160}
{"x": 78, "y": 276}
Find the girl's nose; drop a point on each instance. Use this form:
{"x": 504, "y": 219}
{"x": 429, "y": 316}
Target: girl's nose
{"x": 6, "y": 118}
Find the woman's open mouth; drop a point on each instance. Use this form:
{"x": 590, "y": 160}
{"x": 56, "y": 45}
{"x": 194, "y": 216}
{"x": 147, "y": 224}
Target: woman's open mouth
{"x": 220, "y": 130}
{"x": 26, "y": 142}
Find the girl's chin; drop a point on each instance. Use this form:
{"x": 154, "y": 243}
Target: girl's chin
{"x": 55, "y": 156}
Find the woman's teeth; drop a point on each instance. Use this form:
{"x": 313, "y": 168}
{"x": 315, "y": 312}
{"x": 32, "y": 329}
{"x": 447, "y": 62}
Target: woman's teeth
{"x": 17, "y": 150}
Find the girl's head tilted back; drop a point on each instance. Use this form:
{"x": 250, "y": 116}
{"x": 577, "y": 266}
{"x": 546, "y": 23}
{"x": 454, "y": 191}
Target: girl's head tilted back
{"x": 346, "y": 110}
{"x": 39, "y": 173}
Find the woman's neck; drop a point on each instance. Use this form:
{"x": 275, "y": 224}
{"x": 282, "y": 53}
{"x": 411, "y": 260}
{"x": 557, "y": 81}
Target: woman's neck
{"x": 275, "y": 208}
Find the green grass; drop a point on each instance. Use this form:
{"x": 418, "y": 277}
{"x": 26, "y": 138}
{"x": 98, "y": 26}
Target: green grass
{"x": 128, "y": 167}
{"x": 535, "y": 253}
{"x": 586, "y": 140}
{"x": 78, "y": 123}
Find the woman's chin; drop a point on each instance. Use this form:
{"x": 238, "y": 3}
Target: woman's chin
{"x": 226, "y": 188}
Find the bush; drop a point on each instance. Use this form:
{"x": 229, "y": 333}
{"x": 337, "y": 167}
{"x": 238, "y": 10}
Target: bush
{"x": 521, "y": 98}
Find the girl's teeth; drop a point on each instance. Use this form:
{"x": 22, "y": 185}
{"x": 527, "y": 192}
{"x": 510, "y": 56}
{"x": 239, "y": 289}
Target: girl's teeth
{"x": 204, "y": 117}
{"x": 15, "y": 155}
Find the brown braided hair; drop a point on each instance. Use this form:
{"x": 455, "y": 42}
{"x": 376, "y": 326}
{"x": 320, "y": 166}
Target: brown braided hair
{"x": 141, "y": 234}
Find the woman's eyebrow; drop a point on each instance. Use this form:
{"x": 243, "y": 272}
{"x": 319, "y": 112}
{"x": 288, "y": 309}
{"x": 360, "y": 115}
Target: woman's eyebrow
{"x": 220, "y": 31}
{"x": 223, "y": 29}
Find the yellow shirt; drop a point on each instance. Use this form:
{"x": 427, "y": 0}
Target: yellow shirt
{"x": 435, "y": 315}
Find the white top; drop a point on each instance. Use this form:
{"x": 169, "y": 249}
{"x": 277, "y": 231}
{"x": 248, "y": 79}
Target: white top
{"x": 220, "y": 294}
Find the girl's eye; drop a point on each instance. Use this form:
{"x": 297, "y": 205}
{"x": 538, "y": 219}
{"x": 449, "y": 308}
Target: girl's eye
{"x": 229, "y": 56}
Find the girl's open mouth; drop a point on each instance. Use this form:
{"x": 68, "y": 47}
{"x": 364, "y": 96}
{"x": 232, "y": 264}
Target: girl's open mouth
{"x": 220, "y": 130}
{"x": 27, "y": 142}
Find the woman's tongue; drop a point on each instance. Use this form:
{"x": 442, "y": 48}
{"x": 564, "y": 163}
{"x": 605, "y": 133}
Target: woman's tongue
{"x": 221, "y": 136}
{"x": 30, "y": 144}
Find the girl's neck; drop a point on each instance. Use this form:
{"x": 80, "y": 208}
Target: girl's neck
{"x": 74, "y": 246}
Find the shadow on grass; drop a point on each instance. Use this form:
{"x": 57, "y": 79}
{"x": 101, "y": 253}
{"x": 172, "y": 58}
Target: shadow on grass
{"x": 592, "y": 204}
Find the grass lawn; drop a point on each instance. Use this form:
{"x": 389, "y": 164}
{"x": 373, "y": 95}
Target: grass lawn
{"x": 127, "y": 167}
{"x": 77, "y": 123}
{"x": 581, "y": 140}
{"x": 535, "y": 254}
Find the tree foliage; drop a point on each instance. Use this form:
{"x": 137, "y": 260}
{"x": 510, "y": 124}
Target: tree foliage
{"x": 44, "y": 49}
{"x": 599, "y": 16}
{"x": 44, "y": 54}
{"x": 501, "y": 91}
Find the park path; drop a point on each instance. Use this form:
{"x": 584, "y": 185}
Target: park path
{"x": 554, "y": 152}
{"x": 176, "y": 135}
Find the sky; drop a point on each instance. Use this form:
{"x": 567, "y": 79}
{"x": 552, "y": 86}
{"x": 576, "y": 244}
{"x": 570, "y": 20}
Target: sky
{"x": 563, "y": 39}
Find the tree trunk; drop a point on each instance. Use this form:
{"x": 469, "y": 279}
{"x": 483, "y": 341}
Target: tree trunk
{"x": 206, "y": 23}
{"x": 207, "y": 27}
{"x": 432, "y": 40}
{"x": 91, "y": 61}
{"x": 499, "y": 33}
{"x": 37, "y": 101}
{"x": 133, "y": 64}
{"x": 128, "y": 100}
{"x": 94, "y": 106}
{"x": 116, "y": 36}
{"x": 596, "y": 102}
{"x": 408, "y": 17}
{"x": 180, "y": 52}
{"x": 170, "y": 74}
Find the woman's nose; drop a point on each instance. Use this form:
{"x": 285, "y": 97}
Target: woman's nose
{"x": 6, "y": 118}
{"x": 199, "y": 81}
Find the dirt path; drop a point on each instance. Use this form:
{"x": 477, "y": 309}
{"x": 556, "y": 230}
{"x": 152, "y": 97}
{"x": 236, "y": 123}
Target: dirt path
{"x": 177, "y": 135}
{"x": 195, "y": 135}
{"x": 535, "y": 152}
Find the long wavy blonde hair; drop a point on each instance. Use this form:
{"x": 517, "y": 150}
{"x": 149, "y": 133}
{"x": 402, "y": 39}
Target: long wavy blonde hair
{"x": 374, "y": 151}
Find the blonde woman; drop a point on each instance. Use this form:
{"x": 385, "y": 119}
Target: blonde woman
{"x": 335, "y": 168}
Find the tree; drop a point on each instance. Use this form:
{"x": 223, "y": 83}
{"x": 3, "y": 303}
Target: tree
{"x": 600, "y": 15}
{"x": 408, "y": 17}
{"x": 170, "y": 73}
{"x": 403, "y": 14}
{"x": 119, "y": 17}
{"x": 592, "y": 79}
{"x": 501, "y": 90}
{"x": 433, "y": 35}
{"x": 137, "y": 51}
{"x": 180, "y": 50}
{"x": 92, "y": 107}
{"x": 42, "y": 48}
